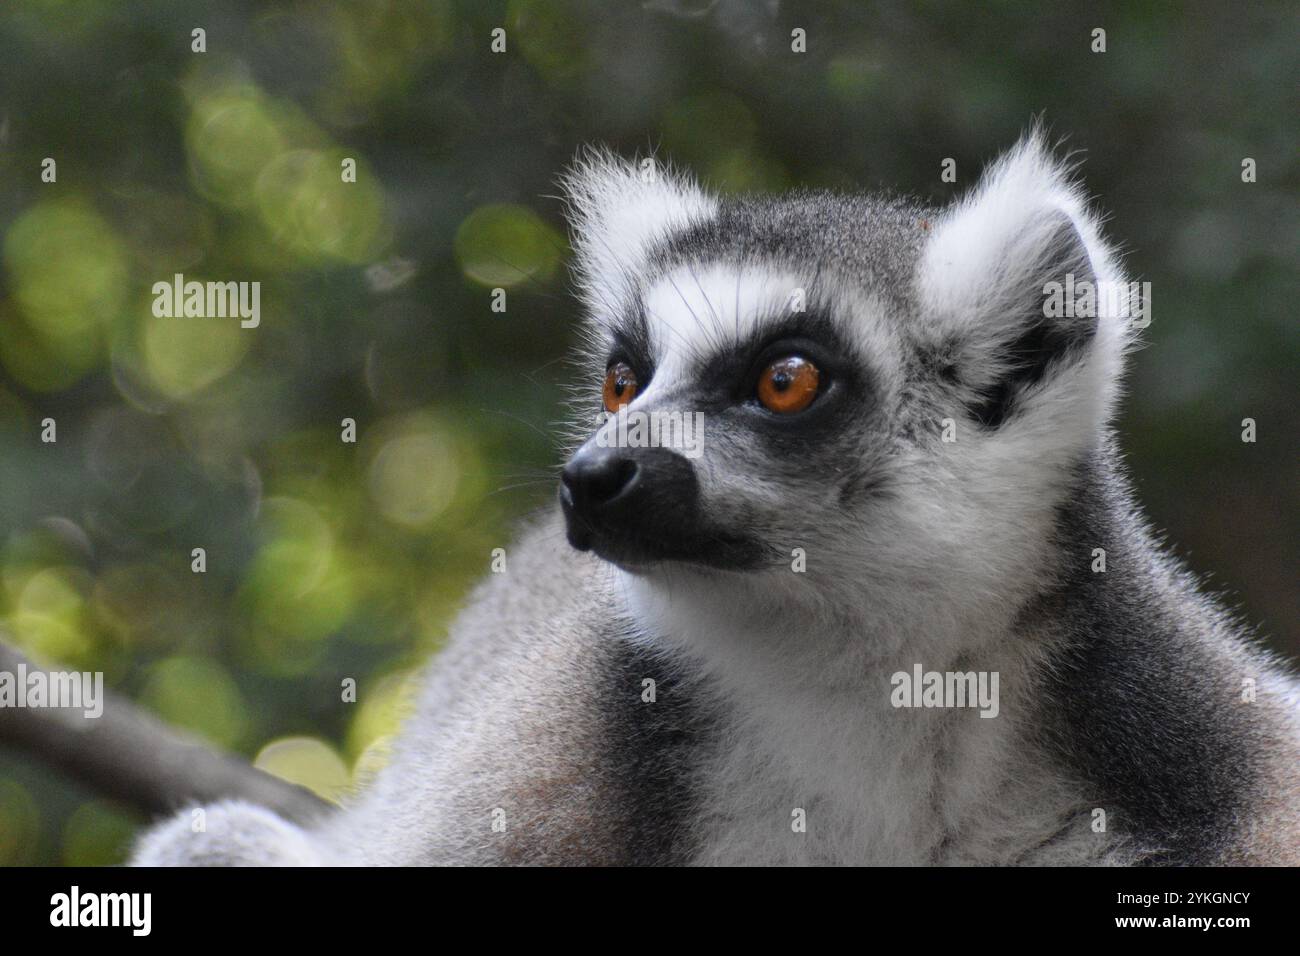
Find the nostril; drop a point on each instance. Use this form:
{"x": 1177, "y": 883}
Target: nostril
{"x": 595, "y": 482}
{"x": 607, "y": 482}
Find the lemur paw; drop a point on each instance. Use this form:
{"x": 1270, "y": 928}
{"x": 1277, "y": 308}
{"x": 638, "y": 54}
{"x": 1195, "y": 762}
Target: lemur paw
{"x": 232, "y": 833}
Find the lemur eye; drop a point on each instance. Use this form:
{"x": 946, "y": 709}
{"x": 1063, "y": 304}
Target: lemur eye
{"x": 620, "y": 386}
{"x": 788, "y": 385}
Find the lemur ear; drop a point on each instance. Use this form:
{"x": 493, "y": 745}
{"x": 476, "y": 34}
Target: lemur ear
{"x": 619, "y": 210}
{"x": 987, "y": 276}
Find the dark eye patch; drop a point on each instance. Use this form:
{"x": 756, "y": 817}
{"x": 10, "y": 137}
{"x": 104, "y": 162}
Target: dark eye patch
{"x": 731, "y": 374}
{"x": 725, "y": 383}
{"x": 631, "y": 344}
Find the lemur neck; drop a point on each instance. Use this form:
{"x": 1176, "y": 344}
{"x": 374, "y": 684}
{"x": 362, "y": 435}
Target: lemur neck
{"x": 768, "y": 634}
{"x": 888, "y": 741}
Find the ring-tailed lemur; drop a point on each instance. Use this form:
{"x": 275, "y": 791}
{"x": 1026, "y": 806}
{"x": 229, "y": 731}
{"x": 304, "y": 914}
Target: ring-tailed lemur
{"x": 906, "y": 469}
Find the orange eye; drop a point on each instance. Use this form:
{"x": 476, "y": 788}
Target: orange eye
{"x": 620, "y": 386}
{"x": 788, "y": 385}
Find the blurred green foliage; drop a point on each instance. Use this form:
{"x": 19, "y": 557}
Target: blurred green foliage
{"x": 328, "y": 560}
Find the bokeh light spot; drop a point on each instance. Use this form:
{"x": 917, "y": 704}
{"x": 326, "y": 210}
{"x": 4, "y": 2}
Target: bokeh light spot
{"x": 383, "y": 703}
{"x": 307, "y": 207}
{"x": 308, "y": 762}
{"x": 47, "y": 621}
{"x": 197, "y": 694}
{"x": 503, "y": 245}
{"x": 69, "y": 275}
{"x": 413, "y": 478}
{"x": 185, "y": 355}
{"x": 231, "y": 136}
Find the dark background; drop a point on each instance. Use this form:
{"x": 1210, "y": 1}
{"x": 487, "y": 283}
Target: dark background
{"x": 328, "y": 560}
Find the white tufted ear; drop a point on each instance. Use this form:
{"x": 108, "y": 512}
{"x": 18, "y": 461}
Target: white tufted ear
{"x": 984, "y": 276}
{"x": 619, "y": 210}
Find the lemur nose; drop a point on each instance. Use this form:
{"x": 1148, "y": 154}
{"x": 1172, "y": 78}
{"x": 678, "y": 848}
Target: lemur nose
{"x": 630, "y": 504}
{"x": 594, "y": 479}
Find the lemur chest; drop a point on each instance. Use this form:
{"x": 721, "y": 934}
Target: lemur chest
{"x": 814, "y": 755}
{"x": 794, "y": 805}
{"x": 871, "y": 786}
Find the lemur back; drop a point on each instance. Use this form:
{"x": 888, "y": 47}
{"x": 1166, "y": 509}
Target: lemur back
{"x": 694, "y": 658}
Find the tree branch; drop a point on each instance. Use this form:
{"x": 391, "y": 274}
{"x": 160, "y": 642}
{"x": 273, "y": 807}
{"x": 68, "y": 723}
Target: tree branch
{"x": 133, "y": 757}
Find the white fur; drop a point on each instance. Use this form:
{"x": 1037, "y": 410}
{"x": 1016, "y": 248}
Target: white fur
{"x": 620, "y": 209}
{"x": 234, "y": 833}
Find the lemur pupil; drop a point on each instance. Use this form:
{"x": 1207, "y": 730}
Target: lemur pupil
{"x": 620, "y": 386}
{"x": 789, "y": 384}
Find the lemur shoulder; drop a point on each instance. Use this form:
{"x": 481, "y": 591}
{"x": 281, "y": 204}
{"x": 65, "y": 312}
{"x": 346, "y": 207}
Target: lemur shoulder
{"x": 653, "y": 680}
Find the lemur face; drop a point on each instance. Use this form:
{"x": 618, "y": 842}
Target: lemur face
{"x": 762, "y": 423}
{"x": 867, "y": 381}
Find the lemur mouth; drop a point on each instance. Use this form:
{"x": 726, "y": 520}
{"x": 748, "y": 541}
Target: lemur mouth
{"x": 639, "y": 508}
{"x": 633, "y": 555}
{"x": 643, "y": 555}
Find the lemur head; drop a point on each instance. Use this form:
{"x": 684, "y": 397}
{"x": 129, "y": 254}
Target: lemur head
{"x": 884, "y": 395}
